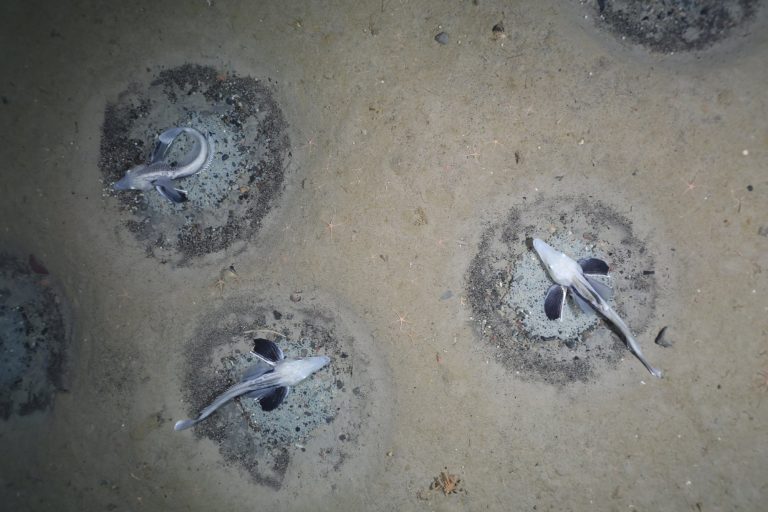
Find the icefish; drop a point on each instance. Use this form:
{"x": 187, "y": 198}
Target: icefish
{"x": 158, "y": 174}
{"x": 588, "y": 293}
{"x": 268, "y": 381}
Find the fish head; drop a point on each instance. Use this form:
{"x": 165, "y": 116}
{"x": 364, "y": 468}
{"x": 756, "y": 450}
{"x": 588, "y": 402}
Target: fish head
{"x": 131, "y": 180}
{"x": 316, "y": 363}
{"x": 562, "y": 269}
{"x": 294, "y": 371}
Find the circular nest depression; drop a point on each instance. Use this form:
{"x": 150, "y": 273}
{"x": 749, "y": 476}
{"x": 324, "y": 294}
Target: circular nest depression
{"x": 227, "y": 201}
{"x": 507, "y": 285}
{"x": 325, "y": 419}
{"x": 33, "y": 338}
{"x": 672, "y": 25}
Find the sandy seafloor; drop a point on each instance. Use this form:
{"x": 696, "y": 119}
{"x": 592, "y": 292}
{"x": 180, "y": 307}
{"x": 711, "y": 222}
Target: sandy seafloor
{"x": 408, "y": 148}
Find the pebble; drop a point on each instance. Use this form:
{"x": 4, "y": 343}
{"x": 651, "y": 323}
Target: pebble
{"x": 661, "y": 338}
{"x": 442, "y": 38}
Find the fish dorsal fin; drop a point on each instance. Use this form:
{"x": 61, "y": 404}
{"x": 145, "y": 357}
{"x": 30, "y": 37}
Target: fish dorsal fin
{"x": 553, "y": 302}
{"x": 582, "y": 303}
{"x": 593, "y": 266}
{"x": 273, "y": 400}
{"x": 603, "y": 290}
{"x": 257, "y": 370}
{"x": 268, "y": 350}
{"x": 164, "y": 142}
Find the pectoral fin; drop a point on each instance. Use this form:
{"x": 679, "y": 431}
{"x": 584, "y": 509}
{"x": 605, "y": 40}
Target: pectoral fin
{"x": 272, "y": 400}
{"x": 268, "y": 350}
{"x": 166, "y": 189}
{"x": 593, "y": 266}
{"x": 553, "y": 302}
{"x": 603, "y": 290}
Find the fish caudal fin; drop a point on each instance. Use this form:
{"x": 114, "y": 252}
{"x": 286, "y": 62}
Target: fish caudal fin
{"x": 653, "y": 371}
{"x": 183, "y": 424}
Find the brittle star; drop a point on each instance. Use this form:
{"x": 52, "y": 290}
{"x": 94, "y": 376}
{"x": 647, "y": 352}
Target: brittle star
{"x": 495, "y": 142}
{"x": 330, "y": 225}
{"x": 226, "y": 273}
{"x": 401, "y": 319}
{"x": 689, "y": 184}
{"x": 762, "y": 379}
{"x": 310, "y": 143}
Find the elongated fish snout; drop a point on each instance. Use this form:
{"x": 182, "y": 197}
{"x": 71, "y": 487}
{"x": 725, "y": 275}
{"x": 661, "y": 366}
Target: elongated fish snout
{"x": 122, "y": 184}
{"x": 543, "y": 249}
{"x": 128, "y": 182}
{"x": 317, "y": 362}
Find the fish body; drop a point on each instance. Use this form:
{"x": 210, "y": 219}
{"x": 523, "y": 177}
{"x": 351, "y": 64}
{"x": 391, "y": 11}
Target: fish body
{"x": 268, "y": 381}
{"x": 158, "y": 174}
{"x": 571, "y": 275}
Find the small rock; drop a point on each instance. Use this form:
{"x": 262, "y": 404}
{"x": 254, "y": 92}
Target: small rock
{"x": 36, "y": 266}
{"x": 442, "y": 38}
{"x": 498, "y": 31}
{"x": 661, "y": 338}
{"x": 295, "y": 297}
{"x": 447, "y": 294}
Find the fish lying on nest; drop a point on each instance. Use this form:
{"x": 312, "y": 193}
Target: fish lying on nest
{"x": 590, "y": 295}
{"x": 268, "y": 381}
{"x": 158, "y": 174}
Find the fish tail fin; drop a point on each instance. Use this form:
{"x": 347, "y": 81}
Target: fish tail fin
{"x": 654, "y": 371}
{"x": 183, "y": 424}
